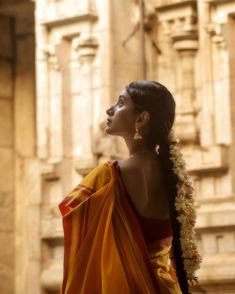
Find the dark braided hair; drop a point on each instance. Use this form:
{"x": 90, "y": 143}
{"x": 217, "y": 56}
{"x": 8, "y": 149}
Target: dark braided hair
{"x": 158, "y": 101}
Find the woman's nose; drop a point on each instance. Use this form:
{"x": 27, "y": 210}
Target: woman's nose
{"x": 109, "y": 111}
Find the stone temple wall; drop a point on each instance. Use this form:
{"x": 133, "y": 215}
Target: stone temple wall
{"x": 63, "y": 62}
{"x": 18, "y": 159}
{"x": 6, "y": 154}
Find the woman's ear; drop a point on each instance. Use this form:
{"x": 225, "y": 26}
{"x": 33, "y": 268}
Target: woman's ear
{"x": 142, "y": 119}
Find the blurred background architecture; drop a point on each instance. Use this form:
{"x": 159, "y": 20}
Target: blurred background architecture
{"x": 62, "y": 63}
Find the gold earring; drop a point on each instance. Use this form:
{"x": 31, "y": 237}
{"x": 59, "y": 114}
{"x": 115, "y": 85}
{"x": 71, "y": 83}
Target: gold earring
{"x": 137, "y": 135}
{"x": 157, "y": 149}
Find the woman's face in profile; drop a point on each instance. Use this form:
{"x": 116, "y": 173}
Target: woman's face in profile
{"x": 121, "y": 116}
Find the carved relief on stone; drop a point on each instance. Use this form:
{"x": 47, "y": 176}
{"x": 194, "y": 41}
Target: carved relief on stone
{"x": 181, "y": 27}
{"x": 86, "y": 48}
{"x": 83, "y": 51}
{"x": 149, "y": 14}
{"x": 61, "y": 9}
{"x": 51, "y": 230}
{"x": 217, "y": 32}
{"x": 221, "y": 85}
{"x": 52, "y": 195}
{"x": 50, "y": 53}
{"x": 180, "y": 24}
{"x": 52, "y": 265}
{"x": 54, "y": 101}
{"x": 213, "y": 160}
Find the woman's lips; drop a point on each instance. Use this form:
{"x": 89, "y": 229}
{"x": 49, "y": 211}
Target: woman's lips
{"x": 109, "y": 121}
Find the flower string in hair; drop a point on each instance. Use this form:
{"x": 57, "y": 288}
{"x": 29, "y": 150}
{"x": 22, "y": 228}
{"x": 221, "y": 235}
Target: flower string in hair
{"x": 186, "y": 214}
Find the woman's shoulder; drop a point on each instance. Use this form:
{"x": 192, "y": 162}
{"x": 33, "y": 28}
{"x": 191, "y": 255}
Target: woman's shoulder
{"x": 151, "y": 166}
{"x": 100, "y": 175}
{"x": 102, "y": 169}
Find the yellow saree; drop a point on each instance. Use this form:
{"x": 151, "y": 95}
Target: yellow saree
{"x": 104, "y": 248}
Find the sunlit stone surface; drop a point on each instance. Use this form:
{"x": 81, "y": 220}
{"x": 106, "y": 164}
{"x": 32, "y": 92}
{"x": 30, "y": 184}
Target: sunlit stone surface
{"x": 62, "y": 63}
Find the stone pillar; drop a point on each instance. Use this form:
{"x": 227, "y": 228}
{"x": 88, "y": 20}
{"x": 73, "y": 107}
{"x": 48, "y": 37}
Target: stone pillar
{"x": 86, "y": 47}
{"x": 70, "y": 117}
{"x": 218, "y": 33}
{"x": 54, "y": 104}
{"x": 206, "y": 77}
{"x": 7, "y": 203}
{"x": 186, "y": 127}
{"x": 231, "y": 53}
{"x": 27, "y": 165}
{"x": 184, "y": 35}
{"x": 42, "y": 88}
{"x": 63, "y": 119}
{"x": 179, "y": 21}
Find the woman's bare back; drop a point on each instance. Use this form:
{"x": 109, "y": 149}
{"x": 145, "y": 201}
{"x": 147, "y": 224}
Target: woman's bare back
{"x": 143, "y": 180}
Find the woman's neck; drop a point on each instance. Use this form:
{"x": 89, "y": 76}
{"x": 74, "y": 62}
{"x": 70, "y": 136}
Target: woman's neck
{"x": 138, "y": 147}
{"x": 142, "y": 152}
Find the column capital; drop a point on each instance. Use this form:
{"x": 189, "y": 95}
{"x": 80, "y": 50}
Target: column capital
{"x": 185, "y": 45}
{"x": 86, "y": 48}
{"x": 50, "y": 54}
{"x": 180, "y": 24}
{"x": 216, "y": 30}
{"x": 150, "y": 16}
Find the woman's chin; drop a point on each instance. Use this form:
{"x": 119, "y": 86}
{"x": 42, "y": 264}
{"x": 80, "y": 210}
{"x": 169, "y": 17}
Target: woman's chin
{"x": 109, "y": 130}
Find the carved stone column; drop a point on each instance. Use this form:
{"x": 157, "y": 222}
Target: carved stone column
{"x": 55, "y": 104}
{"x": 186, "y": 45}
{"x": 42, "y": 103}
{"x": 218, "y": 32}
{"x": 85, "y": 49}
{"x": 26, "y": 171}
{"x": 63, "y": 118}
{"x": 179, "y": 21}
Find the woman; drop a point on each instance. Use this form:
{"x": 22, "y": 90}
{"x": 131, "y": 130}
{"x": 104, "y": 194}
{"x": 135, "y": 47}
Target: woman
{"x": 123, "y": 219}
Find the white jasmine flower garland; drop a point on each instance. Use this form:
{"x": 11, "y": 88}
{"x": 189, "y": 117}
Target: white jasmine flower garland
{"x": 186, "y": 214}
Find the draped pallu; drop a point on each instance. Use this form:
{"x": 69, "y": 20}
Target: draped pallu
{"x": 104, "y": 248}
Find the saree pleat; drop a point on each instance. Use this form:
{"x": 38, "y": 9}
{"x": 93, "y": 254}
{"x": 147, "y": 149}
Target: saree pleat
{"x": 104, "y": 248}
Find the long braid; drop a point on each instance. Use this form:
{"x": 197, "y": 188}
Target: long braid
{"x": 171, "y": 182}
{"x": 155, "y": 98}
